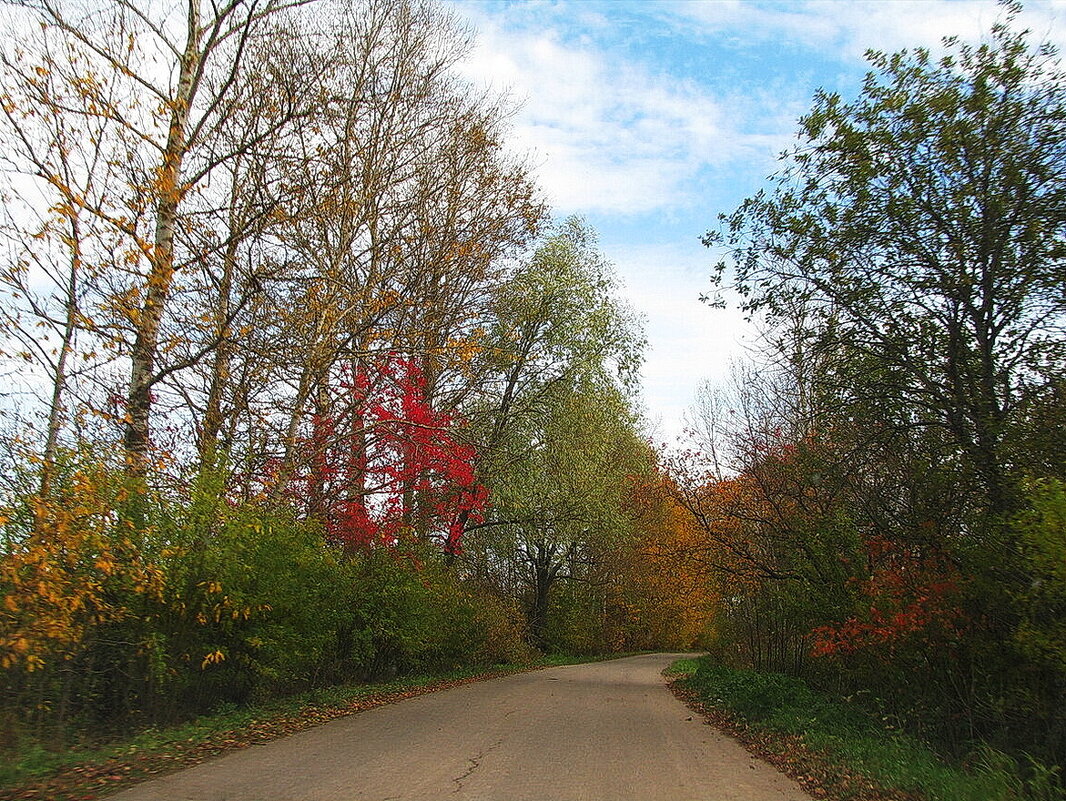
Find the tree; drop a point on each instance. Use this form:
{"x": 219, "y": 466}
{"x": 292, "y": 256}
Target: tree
{"x": 215, "y": 211}
{"x": 406, "y": 454}
{"x": 153, "y": 89}
{"x": 661, "y": 595}
{"x": 922, "y": 228}
{"x": 412, "y": 207}
{"x": 555, "y": 319}
{"x": 909, "y": 260}
{"x": 556, "y": 357}
{"x": 562, "y": 503}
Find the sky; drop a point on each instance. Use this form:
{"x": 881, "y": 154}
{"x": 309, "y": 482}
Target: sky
{"x": 650, "y": 117}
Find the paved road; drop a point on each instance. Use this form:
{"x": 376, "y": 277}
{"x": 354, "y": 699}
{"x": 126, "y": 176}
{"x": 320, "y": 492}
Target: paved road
{"x": 609, "y": 731}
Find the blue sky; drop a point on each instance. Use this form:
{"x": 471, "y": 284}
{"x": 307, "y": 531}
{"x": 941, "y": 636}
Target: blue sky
{"x": 649, "y": 117}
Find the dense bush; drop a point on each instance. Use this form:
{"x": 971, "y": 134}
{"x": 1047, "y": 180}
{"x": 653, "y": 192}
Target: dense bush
{"x": 209, "y": 601}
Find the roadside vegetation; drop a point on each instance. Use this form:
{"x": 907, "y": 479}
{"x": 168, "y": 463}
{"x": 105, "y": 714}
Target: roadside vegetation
{"x": 305, "y": 387}
{"x": 882, "y": 498}
{"x": 837, "y": 750}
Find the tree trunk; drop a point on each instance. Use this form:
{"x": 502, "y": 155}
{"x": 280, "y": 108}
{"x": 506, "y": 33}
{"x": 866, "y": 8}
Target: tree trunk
{"x": 137, "y": 439}
{"x": 59, "y": 379}
{"x": 543, "y": 575}
{"x": 220, "y": 367}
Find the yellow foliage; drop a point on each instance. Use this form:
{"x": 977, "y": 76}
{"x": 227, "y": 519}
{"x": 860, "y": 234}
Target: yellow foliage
{"x": 56, "y": 578}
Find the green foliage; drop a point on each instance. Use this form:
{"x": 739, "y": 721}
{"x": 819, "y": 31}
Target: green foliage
{"x": 219, "y": 602}
{"x": 918, "y": 230}
{"x": 560, "y": 437}
{"x": 774, "y": 699}
{"x": 575, "y": 621}
{"x": 1013, "y": 778}
{"x": 682, "y": 668}
{"x": 1042, "y": 530}
{"x": 565, "y": 502}
{"x": 415, "y": 614}
{"x": 908, "y": 259}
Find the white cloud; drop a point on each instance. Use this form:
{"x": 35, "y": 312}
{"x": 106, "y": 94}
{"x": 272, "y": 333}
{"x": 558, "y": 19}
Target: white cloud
{"x": 851, "y": 27}
{"x": 606, "y": 135}
{"x": 689, "y": 342}
{"x": 610, "y": 135}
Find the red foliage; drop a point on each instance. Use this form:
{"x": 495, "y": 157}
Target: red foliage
{"x": 909, "y": 594}
{"x": 391, "y": 464}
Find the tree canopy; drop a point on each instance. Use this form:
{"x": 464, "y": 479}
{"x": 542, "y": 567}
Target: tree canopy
{"x": 921, "y": 227}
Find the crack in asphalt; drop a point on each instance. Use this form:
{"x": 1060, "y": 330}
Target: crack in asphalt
{"x": 475, "y": 763}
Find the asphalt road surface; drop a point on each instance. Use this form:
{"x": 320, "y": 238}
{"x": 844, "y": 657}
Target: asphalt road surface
{"x": 607, "y": 731}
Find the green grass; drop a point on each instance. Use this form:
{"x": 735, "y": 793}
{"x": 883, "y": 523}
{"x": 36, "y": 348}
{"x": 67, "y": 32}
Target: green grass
{"x": 682, "y": 668}
{"x": 854, "y": 743}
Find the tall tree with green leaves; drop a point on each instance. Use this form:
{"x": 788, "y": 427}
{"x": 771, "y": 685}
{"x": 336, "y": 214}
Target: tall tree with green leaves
{"x": 552, "y": 421}
{"x": 562, "y": 503}
{"x": 922, "y": 228}
{"x": 910, "y": 259}
{"x": 556, "y": 318}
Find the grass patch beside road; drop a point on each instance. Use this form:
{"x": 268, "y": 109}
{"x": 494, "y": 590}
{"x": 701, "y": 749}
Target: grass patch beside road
{"x": 837, "y": 751}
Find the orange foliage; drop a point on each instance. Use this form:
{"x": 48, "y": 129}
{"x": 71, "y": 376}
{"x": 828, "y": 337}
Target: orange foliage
{"x": 731, "y": 517}
{"x": 667, "y": 597}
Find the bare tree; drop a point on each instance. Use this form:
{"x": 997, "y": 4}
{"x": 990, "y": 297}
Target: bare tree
{"x": 168, "y": 80}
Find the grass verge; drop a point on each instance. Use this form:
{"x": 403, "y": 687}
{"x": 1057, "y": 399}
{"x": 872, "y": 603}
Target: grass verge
{"x": 838, "y": 752}
{"x": 87, "y": 774}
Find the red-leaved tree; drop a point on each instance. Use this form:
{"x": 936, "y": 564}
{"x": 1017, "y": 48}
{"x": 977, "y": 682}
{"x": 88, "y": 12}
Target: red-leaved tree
{"x": 908, "y": 593}
{"x": 389, "y": 466}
